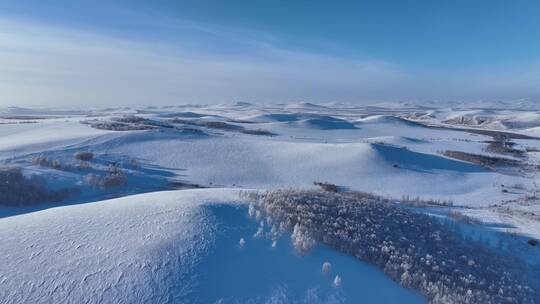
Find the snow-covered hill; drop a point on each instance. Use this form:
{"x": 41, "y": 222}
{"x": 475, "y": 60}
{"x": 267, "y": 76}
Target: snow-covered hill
{"x": 171, "y": 247}
{"x": 75, "y": 244}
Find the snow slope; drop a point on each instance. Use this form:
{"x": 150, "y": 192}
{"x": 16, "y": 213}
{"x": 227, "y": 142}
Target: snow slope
{"x": 171, "y": 247}
{"x": 360, "y": 151}
{"x": 44, "y": 135}
{"x": 361, "y": 166}
{"x": 166, "y": 246}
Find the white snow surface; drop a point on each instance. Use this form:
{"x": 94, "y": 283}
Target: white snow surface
{"x": 125, "y": 250}
{"x": 359, "y": 148}
{"x": 169, "y": 247}
{"x": 155, "y": 247}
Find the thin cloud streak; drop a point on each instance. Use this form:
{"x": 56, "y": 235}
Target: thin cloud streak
{"x": 47, "y": 66}
{"x": 50, "y": 66}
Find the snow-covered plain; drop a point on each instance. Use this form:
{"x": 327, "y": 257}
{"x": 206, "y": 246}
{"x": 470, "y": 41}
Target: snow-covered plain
{"x": 164, "y": 246}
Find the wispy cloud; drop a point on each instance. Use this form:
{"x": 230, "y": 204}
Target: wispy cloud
{"x": 42, "y": 65}
{"x": 48, "y": 66}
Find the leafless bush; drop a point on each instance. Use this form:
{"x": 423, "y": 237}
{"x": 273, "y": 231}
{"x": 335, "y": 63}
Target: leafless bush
{"x": 483, "y": 160}
{"x": 259, "y": 132}
{"x": 82, "y": 165}
{"x": 422, "y": 202}
{"x": 462, "y": 218}
{"x": 83, "y": 155}
{"x": 113, "y": 178}
{"x": 414, "y": 249}
{"x": 18, "y": 190}
{"x": 218, "y": 125}
{"x": 327, "y": 186}
{"x": 240, "y": 121}
{"x": 44, "y": 161}
{"x": 93, "y": 180}
{"x": 208, "y": 124}
{"x": 120, "y": 124}
{"x": 191, "y": 131}
{"x": 131, "y": 119}
{"x": 117, "y": 180}
{"x": 501, "y": 144}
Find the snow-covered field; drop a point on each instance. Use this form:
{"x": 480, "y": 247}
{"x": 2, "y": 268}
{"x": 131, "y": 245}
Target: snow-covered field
{"x": 76, "y": 244}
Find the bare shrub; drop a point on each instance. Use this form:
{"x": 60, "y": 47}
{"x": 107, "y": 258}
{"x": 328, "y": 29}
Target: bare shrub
{"x": 501, "y": 144}
{"x": 18, "y": 190}
{"x": 44, "y": 161}
{"x": 422, "y": 202}
{"x": 93, "y": 180}
{"x": 218, "y": 125}
{"x": 82, "y": 165}
{"x": 462, "y": 218}
{"x": 113, "y": 178}
{"x": 259, "y": 132}
{"x": 131, "y": 119}
{"x": 327, "y": 186}
{"x": 111, "y": 181}
{"x": 483, "y": 160}
{"x": 83, "y": 155}
{"x": 212, "y": 124}
{"x": 117, "y": 125}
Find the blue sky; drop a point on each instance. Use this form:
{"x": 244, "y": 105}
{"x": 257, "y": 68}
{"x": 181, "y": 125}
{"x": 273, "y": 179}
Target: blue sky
{"x": 125, "y": 52}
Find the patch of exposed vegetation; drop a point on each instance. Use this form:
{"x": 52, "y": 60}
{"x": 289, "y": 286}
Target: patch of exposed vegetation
{"x": 419, "y": 202}
{"x": 468, "y": 120}
{"x": 258, "y": 132}
{"x": 220, "y": 125}
{"x": 482, "y": 160}
{"x": 127, "y": 123}
{"x": 178, "y": 185}
{"x": 491, "y": 133}
{"x": 44, "y": 161}
{"x": 24, "y": 117}
{"x": 191, "y": 131}
{"x": 463, "y": 218}
{"x": 113, "y": 178}
{"x": 83, "y": 155}
{"x": 117, "y": 126}
{"x": 212, "y": 124}
{"x": 501, "y": 144}
{"x": 240, "y": 121}
{"x": 414, "y": 249}
{"x": 18, "y": 190}
{"x": 327, "y": 186}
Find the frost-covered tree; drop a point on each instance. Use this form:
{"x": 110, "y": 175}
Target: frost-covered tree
{"x": 337, "y": 280}
{"x": 301, "y": 239}
{"x": 413, "y": 248}
{"x": 326, "y": 267}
